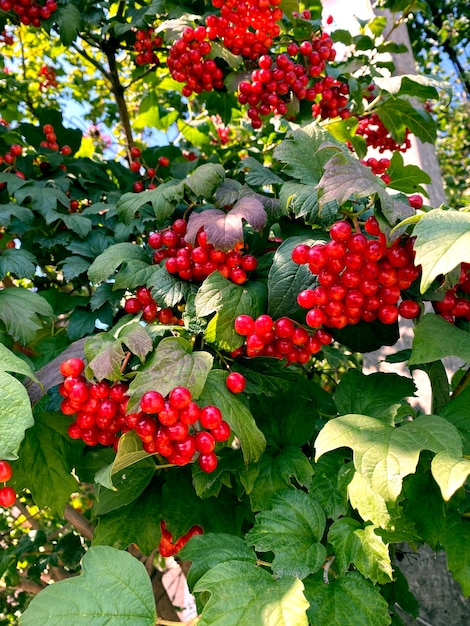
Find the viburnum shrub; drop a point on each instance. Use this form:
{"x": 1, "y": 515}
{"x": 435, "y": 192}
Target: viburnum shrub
{"x": 188, "y": 290}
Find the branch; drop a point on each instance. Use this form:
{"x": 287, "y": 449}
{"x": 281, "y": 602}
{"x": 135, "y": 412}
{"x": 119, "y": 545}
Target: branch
{"x": 79, "y": 522}
{"x": 29, "y": 586}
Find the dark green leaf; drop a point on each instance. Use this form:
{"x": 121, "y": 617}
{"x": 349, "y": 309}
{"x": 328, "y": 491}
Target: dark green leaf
{"x": 18, "y": 262}
{"x": 367, "y": 336}
{"x": 292, "y": 529}
{"x": 128, "y": 483}
{"x": 23, "y": 327}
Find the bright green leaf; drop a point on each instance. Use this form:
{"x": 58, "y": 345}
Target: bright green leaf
{"x": 23, "y": 327}
{"x": 435, "y": 339}
{"x": 241, "y": 593}
{"x": 87, "y": 601}
{"x": 442, "y": 242}
{"x": 15, "y": 408}
{"x": 107, "y": 262}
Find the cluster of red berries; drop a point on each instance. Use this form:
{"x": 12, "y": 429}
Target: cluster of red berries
{"x": 245, "y": 27}
{"x": 7, "y": 494}
{"x": 10, "y": 157}
{"x": 168, "y": 546}
{"x": 278, "y": 78}
{"x": 188, "y": 62}
{"x": 378, "y": 136}
{"x": 50, "y": 141}
{"x": 146, "y": 42}
{"x": 178, "y": 429}
{"x": 196, "y": 263}
{"x": 144, "y": 302}
{"x": 99, "y": 408}
{"x": 280, "y": 339}
{"x": 29, "y": 12}
{"x": 48, "y": 77}
{"x": 454, "y": 304}
{"x": 379, "y": 167}
{"x": 150, "y": 175}
{"x": 359, "y": 278}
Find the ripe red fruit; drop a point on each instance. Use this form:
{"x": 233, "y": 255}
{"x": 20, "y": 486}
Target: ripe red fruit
{"x": 235, "y": 382}
{"x": 415, "y": 200}
{"x": 5, "y": 471}
{"x": 180, "y": 398}
{"x": 210, "y": 417}
{"x": 244, "y": 325}
{"x": 221, "y": 432}
{"x": 409, "y": 309}
{"x": 8, "y": 495}
{"x": 152, "y": 402}
{"x": 207, "y": 462}
{"x": 72, "y": 367}
{"x": 163, "y": 161}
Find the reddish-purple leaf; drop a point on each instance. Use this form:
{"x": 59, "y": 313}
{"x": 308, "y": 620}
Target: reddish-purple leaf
{"x": 224, "y": 230}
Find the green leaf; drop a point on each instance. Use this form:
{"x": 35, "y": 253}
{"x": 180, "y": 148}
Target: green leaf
{"x": 456, "y": 541}
{"x": 345, "y": 177}
{"x": 301, "y": 153}
{"x": 457, "y": 412}
{"x": 134, "y": 273}
{"x": 286, "y": 279}
{"x": 367, "y": 336}
{"x": 273, "y": 473}
{"x": 128, "y": 484}
{"x": 108, "y": 360}
{"x": 129, "y": 451}
{"x": 370, "y": 505}
{"x": 345, "y": 131}
{"x": 23, "y": 327}
{"x": 241, "y": 593}
{"x": 163, "y": 199}
{"x": 435, "y": 339}
{"x": 9, "y": 362}
{"x": 373, "y": 558}
{"x": 327, "y": 487}
{"x": 205, "y": 178}
{"x": 413, "y": 85}
{"x": 450, "y": 473}
{"x": 73, "y": 266}
{"x": 16, "y": 412}
{"x": 442, "y": 242}
{"x": 86, "y": 601}
{"x": 172, "y": 364}
{"x": 384, "y": 455}
{"x": 44, "y": 200}
{"x": 207, "y": 550}
{"x": 292, "y": 529}
{"x": 258, "y": 175}
{"x": 378, "y": 395}
{"x": 13, "y": 210}
{"x": 69, "y": 20}
{"x": 49, "y": 450}
{"x": 167, "y": 289}
{"x": 407, "y": 178}
{"x": 303, "y": 201}
{"x": 398, "y": 115}
{"x": 345, "y": 542}
{"x": 218, "y": 294}
{"x": 77, "y": 223}
{"x": 106, "y": 263}
{"x": 236, "y": 413}
{"x": 349, "y": 599}
{"x": 19, "y": 262}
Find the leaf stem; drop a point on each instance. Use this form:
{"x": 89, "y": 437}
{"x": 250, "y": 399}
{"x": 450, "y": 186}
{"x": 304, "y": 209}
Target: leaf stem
{"x": 265, "y": 563}
{"x": 463, "y": 382}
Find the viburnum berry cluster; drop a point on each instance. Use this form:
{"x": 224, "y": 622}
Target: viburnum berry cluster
{"x": 29, "y": 12}
{"x": 50, "y": 140}
{"x": 168, "y": 546}
{"x": 281, "y": 338}
{"x": 146, "y": 44}
{"x": 7, "y": 494}
{"x": 178, "y": 429}
{"x": 359, "y": 278}
{"x": 99, "y": 407}
{"x": 144, "y": 302}
{"x": 378, "y": 136}
{"x": 297, "y": 72}
{"x": 188, "y": 62}
{"x": 48, "y": 77}
{"x": 150, "y": 180}
{"x": 196, "y": 263}
{"x": 379, "y": 167}
{"x": 246, "y": 28}
{"x": 455, "y": 304}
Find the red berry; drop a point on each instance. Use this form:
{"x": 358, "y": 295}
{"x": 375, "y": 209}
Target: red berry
{"x": 163, "y": 161}
{"x": 152, "y": 402}
{"x": 409, "y": 309}
{"x": 244, "y": 325}
{"x": 5, "y": 471}
{"x": 72, "y": 367}
{"x": 8, "y": 494}
{"x": 210, "y": 417}
{"x": 221, "y": 432}
{"x": 207, "y": 462}
{"x": 235, "y": 382}
{"x": 179, "y": 398}
{"x": 205, "y": 442}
